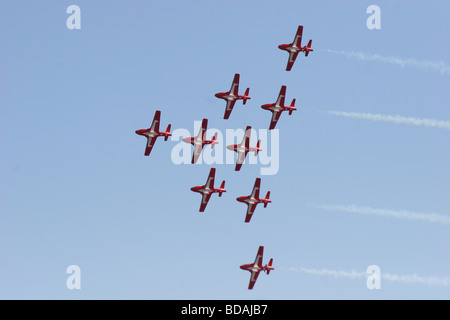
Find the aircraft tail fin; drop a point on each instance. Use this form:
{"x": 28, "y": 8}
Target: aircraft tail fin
{"x": 292, "y": 106}
{"x": 246, "y": 95}
{"x": 214, "y": 140}
{"x": 270, "y": 266}
{"x": 309, "y": 47}
{"x": 222, "y": 186}
{"x": 267, "y": 199}
{"x": 258, "y": 147}
{"x": 167, "y": 133}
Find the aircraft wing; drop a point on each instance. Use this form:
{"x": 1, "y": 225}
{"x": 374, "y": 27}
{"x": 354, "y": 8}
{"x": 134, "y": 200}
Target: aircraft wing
{"x": 240, "y": 159}
{"x": 210, "y": 180}
{"x": 246, "y": 139}
{"x": 197, "y": 147}
{"x": 197, "y": 150}
{"x": 256, "y": 187}
{"x": 155, "y": 123}
{"x": 281, "y": 95}
{"x": 253, "y": 277}
{"x": 150, "y": 144}
{"x": 235, "y": 85}
{"x": 291, "y": 60}
{"x": 259, "y": 256}
{"x": 246, "y": 143}
{"x": 250, "y": 210}
{"x": 298, "y": 37}
{"x": 275, "y": 117}
{"x": 202, "y": 131}
{"x": 205, "y": 199}
{"x": 229, "y": 108}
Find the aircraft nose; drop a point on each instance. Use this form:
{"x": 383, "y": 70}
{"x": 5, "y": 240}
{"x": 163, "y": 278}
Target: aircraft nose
{"x": 242, "y": 267}
{"x": 187, "y": 140}
{"x": 230, "y": 147}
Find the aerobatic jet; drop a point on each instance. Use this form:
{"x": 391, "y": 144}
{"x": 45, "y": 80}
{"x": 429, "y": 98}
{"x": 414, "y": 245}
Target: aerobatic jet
{"x": 295, "y": 47}
{"x": 256, "y": 267}
{"x": 200, "y": 141}
{"x": 243, "y": 148}
{"x": 253, "y": 199}
{"x": 208, "y": 189}
{"x": 278, "y": 107}
{"x": 232, "y": 96}
{"x": 153, "y": 133}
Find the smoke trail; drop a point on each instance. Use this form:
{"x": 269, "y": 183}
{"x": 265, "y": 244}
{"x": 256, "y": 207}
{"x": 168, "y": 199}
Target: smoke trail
{"x": 431, "y": 281}
{"x": 423, "y": 64}
{"x": 428, "y": 217}
{"x": 395, "y": 119}
{"x": 354, "y": 275}
{"x": 331, "y": 273}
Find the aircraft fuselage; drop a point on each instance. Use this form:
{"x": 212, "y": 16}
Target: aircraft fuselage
{"x": 292, "y": 48}
{"x": 273, "y": 107}
{"x": 202, "y": 189}
{"x": 249, "y": 200}
{"x": 229, "y": 96}
{"x": 147, "y": 133}
{"x": 251, "y": 267}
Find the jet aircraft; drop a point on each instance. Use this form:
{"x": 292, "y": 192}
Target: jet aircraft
{"x": 200, "y": 141}
{"x": 232, "y": 96}
{"x": 153, "y": 133}
{"x": 256, "y": 267}
{"x": 253, "y": 199}
{"x": 278, "y": 107}
{"x": 295, "y": 47}
{"x": 208, "y": 189}
{"x": 243, "y": 148}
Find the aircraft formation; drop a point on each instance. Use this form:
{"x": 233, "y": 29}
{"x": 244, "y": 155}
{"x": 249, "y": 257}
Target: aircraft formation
{"x": 242, "y": 149}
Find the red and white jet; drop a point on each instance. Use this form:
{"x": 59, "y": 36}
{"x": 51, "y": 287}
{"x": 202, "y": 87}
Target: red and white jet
{"x": 232, "y": 96}
{"x": 295, "y": 47}
{"x": 256, "y": 267}
{"x": 153, "y": 133}
{"x": 278, "y": 107}
{"x": 200, "y": 141}
{"x": 208, "y": 189}
{"x": 243, "y": 148}
{"x": 253, "y": 199}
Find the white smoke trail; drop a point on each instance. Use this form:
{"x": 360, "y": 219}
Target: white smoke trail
{"x": 402, "y": 214}
{"x": 423, "y": 64}
{"x": 355, "y": 275}
{"x": 433, "y": 123}
{"x": 431, "y": 281}
{"x": 331, "y": 273}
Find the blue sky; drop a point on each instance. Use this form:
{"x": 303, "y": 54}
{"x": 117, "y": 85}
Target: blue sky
{"x": 76, "y": 188}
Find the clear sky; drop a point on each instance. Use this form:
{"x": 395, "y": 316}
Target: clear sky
{"x": 76, "y": 188}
